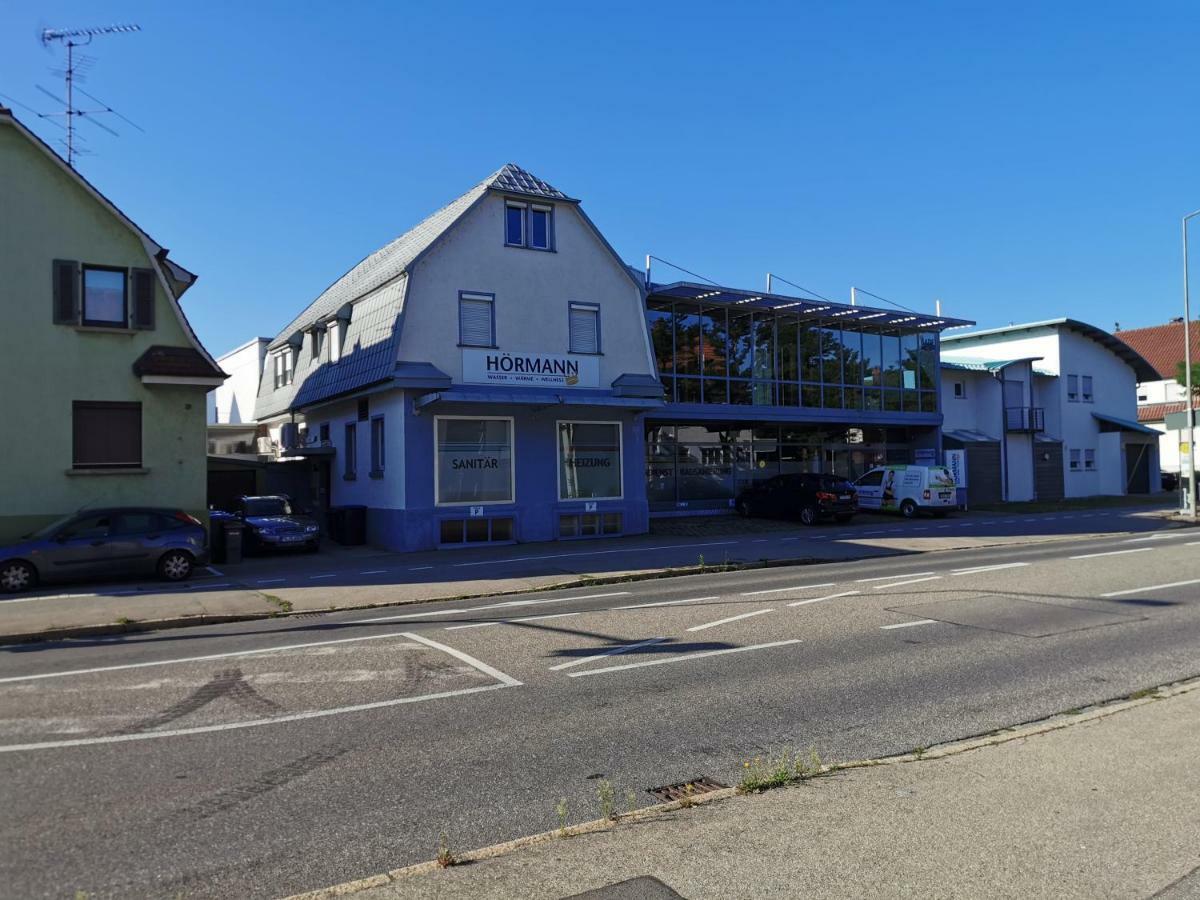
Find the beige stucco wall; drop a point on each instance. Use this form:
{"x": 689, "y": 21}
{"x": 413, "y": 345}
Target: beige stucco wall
{"x": 44, "y": 367}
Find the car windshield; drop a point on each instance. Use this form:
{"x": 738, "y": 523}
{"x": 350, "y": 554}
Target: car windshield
{"x": 267, "y": 506}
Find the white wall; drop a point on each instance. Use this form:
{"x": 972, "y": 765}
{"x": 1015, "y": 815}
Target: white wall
{"x": 1167, "y": 391}
{"x": 233, "y": 402}
{"x": 379, "y": 493}
{"x": 532, "y": 290}
{"x": 979, "y": 410}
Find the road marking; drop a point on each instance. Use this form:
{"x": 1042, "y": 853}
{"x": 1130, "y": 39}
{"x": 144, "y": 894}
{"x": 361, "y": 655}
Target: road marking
{"x": 187, "y": 659}
{"x": 708, "y": 625}
{"x": 624, "y": 648}
{"x": 7, "y": 600}
{"x": 683, "y": 658}
{"x": 802, "y": 587}
{"x": 1153, "y": 587}
{"x": 315, "y": 577}
{"x": 513, "y": 559}
{"x": 878, "y": 531}
{"x": 884, "y": 587}
{"x": 270, "y": 580}
{"x": 419, "y": 568}
{"x": 253, "y": 723}
{"x": 908, "y": 624}
{"x": 373, "y": 572}
{"x": 1111, "y": 553}
{"x": 467, "y": 658}
{"x": 760, "y": 541}
{"x": 976, "y": 569}
{"x": 821, "y": 599}
{"x": 1192, "y": 544}
{"x": 845, "y": 534}
{"x": 887, "y": 577}
{"x": 664, "y": 603}
{"x": 1159, "y": 537}
{"x": 457, "y": 612}
{"x": 215, "y": 571}
{"x": 1026, "y": 520}
{"x": 510, "y": 621}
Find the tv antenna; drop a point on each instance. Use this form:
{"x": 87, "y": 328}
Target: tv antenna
{"x": 76, "y": 67}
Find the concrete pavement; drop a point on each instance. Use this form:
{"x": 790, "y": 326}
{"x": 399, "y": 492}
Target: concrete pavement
{"x": 360, "y": 577}
{"x": 1102, "y": 808}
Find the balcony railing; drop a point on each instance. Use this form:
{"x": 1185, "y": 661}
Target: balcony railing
{"x": 1030, "y": 419}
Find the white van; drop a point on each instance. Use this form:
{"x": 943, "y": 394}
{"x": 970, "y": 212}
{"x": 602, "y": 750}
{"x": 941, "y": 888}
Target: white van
{"x": 908, "y": 489}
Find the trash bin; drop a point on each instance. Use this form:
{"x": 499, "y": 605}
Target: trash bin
{"x": 231, "y": 540}
{"x": 348, "y": 525}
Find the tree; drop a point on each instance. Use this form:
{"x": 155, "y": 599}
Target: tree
{"x": 1181, "y": 377}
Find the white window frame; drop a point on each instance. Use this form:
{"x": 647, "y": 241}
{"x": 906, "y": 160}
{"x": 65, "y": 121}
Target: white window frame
{"x": 335, "y": 328}
{"x": 1086, "y": 390}
{"x": 524, "y": 208}
{"x": 960, "y": 390}
{"x": 378, "y": 454}
{"x": 477, "y": 297}
{"x": 585, "y": 307}
{"x": 1075, "y": 460}
{"x": 549, "y": 211}
{"x": 1072, "y": 393}
{"x": 512, "y": 464}
{"x": 558, "y": 460}
{"x": 1089, "y": 460}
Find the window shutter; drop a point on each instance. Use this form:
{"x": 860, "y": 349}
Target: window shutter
{"x": 585, "y": 329}
{"x": 475, "y": 322}
{"x": 66, "y": 291}
{"x": 143, "y": 299}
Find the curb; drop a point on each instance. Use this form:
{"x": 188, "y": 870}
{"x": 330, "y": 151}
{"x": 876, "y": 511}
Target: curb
{"x": 1050, "y": 724}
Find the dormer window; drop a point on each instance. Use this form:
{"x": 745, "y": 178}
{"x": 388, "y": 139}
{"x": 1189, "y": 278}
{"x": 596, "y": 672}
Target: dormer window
{"x": 284, "y": 367}
{"x": 529, "y": 226}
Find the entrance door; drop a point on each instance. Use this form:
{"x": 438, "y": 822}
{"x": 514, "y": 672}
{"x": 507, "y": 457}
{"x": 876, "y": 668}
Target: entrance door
{"x": 1137, "y": 468}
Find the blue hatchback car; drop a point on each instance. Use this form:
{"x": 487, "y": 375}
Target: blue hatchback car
{"x": 101, "y": 543}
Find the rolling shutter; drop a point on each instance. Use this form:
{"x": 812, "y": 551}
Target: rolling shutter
{"x": 585, "y": 329}
{"x": 475, "y": 321}
{"x": 143, "y": 299}
{"x": 65, "y": 275}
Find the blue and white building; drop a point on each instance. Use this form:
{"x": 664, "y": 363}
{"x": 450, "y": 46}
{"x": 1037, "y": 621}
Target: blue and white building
{"x": 498, "y": 374}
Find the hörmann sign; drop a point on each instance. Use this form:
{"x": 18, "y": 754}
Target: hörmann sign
{"x": 530, "y": 369}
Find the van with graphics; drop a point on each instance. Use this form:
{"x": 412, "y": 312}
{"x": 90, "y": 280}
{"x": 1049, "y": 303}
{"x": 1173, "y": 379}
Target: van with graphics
{"x": 907, "y": 490}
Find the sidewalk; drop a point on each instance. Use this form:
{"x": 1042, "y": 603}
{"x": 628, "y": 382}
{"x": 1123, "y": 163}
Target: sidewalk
{"x": 1105, "y": 806}
{"x": 362, "y": 577}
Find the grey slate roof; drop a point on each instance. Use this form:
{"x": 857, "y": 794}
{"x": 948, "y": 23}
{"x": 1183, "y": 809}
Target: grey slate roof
{"x": 371, "y": 342}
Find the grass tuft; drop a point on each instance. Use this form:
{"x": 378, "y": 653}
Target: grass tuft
{"x": 788, "y": 767}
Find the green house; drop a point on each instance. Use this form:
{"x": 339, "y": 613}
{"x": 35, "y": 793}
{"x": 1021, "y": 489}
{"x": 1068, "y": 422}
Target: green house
{"x": 103, "y": 382}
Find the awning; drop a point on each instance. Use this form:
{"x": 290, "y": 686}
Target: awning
{"x": 1112, "y": 423}
{"x": 974, "y": 364}
{"x": 536, "y": 398}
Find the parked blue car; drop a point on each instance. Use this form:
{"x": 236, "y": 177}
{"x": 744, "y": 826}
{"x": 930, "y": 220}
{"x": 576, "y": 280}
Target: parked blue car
{"x": 101, "y": 543}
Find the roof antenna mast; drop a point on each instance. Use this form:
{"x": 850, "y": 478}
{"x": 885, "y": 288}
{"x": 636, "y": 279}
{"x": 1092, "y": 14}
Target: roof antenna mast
{"x": 72, "y": 38}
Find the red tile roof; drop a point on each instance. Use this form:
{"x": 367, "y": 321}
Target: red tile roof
{"x": 1157, "y": 412}
{"x": 1162, "y": 345}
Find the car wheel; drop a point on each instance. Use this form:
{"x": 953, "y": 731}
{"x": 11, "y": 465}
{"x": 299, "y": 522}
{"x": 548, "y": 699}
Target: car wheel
{"x": 175, "y": 565}
{"x": 16, "y": 575}
{"x": 908, "y": 509}
{"x": 808, "y": 515}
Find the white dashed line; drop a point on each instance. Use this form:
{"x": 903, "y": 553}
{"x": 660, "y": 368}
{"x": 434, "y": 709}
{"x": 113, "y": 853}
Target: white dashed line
{"x": 1111, "y": 553}
{"x": 315, "y": 577}
{"x": 802, "y": 587}
{"x": 419, "y": 568}
{"x": 683, "y": 658}
{"x": 976, "y": 569}
{"x": 625, "y": 550}
{"x": 1159, "y": 537}
{"x": 888, "y": 577}
{"x": 373, "y": 572}
{"x": 883, "y": 587}
{"x": 1153, "y": 587}
{"x": 708, "y": 625}
{"x": 908, "y": 624}
{"x": 270, "y": 580}
{"x": 624, "y": 648}
{"x": 823, "y": 599}
{"x": 666, "y": 603}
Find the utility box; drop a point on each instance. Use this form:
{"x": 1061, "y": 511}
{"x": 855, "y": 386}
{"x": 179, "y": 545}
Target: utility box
{"x": 226, "y": 539}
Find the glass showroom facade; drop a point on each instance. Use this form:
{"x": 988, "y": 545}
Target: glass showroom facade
{"x": 761, "y": 385}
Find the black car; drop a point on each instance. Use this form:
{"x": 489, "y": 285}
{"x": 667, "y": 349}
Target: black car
{"x": 270, "y": 522}
{"x": 809, "y": 498}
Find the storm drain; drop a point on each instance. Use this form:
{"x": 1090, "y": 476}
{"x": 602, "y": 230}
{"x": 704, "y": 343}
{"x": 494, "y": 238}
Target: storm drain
{"x": 693, "y": 788}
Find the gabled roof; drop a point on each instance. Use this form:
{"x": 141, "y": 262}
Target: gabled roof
{"x": 1142, "y": 369}
{"x": 174, "y": 277}
{"x": 1162, "y": 346}
{"x": 1158, "y": 412}
{"x": 395, "y": 258}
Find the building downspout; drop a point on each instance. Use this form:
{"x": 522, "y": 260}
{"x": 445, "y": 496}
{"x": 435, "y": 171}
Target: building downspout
{"x": 1003, "y": 437}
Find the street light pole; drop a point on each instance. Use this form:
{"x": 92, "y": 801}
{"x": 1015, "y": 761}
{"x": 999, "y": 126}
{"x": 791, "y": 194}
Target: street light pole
{"x": 1187, "y": 377}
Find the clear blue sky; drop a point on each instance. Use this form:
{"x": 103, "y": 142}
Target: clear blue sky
{"x": 1017, "y": 160}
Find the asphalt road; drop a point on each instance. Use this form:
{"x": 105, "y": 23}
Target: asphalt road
{"x": 266, "y": 758}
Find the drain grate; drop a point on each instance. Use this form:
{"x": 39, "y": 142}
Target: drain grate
{"x": 693, "y": 788}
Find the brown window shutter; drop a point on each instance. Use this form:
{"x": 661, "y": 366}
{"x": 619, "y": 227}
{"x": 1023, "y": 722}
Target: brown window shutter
{"x": 66, "y": 291}
{"x": 143, "y": 299}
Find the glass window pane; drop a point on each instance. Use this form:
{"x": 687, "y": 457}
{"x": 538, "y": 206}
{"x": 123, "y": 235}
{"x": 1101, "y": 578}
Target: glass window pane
{"x": 739, "y": 392}
{"x": 687, "y": 390}
{"x": 852, "y": 361}
{"x": 763, "y": 393}
{"x": 810, "y": 354}
{"x": 103, "y": 296}
{"x": 612, "y": 523}
{"x": 658, "y": 319}
{"x": 589, "y": 460}
{"x": 910, "y": 360}
{"x": 810, "y": 395}
{"x": 833, "y": 396}
{"x": 715, "y": 338}
{"x": 872, "y": 359}
{"x": 502, "y": 529}
{"x": 740, "y": 344}
{"x": 716, "y": 390}
{"x": 764, "y": 347}
{"x": 568, "y": 526}
{"x": 789, "y": 394}
{"x": 514, "y": 225}
{"x": 831, "y": 357}
{"x": 928, "y": 361}
{"x": 452, "y": 531}
{"x": 477, "y": 530}
{"x": 539, "y": 229}
{"x": 891, "y": 361}
{"x": 474, "y": 460}
{"x": 687, "y": 340}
